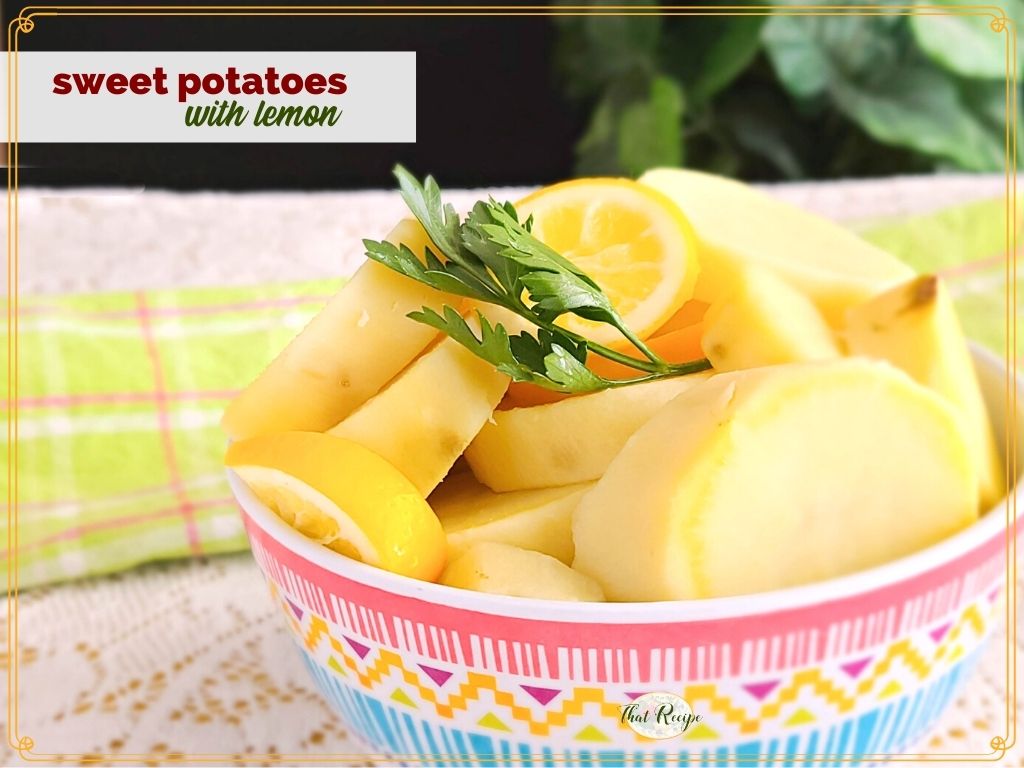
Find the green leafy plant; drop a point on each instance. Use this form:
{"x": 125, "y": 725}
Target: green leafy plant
{"x": 787, "y": 96}
{"x": 491, "y": 257}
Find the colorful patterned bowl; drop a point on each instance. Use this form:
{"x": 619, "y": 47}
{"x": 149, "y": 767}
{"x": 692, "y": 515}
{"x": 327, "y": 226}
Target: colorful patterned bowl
{"x": 859, "y": 666}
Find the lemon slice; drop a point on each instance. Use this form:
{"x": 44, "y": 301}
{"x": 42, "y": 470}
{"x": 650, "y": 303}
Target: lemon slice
{"x": 632, "y": 240}
{"x": 343, "y": 496}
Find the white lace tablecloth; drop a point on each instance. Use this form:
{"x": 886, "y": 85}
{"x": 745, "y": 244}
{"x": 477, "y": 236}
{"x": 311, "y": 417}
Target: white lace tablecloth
{"x": 191, "y": 657}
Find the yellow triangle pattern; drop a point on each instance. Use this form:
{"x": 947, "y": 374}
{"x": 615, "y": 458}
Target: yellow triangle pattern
{"x": 800, "y": 717}
{"x": 590, "y": 733}
{"x": 333, "y": 664}
{"x": 490, "y": 720}
{"x": 701, "y": 731}
{"x": 891, "y": 689}
{"x": 403, "y": 698}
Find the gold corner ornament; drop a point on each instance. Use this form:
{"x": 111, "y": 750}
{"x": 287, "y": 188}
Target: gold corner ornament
{"x": 998, "y": 744}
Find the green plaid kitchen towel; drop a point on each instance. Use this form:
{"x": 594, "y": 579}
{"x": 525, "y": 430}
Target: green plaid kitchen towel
{"x": 119, "y": 399}
{"x": 966, "y": 244}
{"x": 120, "y": 394}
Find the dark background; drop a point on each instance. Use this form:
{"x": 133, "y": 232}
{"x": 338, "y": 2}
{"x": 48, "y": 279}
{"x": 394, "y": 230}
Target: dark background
{"x": 489, "y": 111}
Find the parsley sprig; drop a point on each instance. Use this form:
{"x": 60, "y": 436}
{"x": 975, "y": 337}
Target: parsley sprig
{"x": 492, "y": 257}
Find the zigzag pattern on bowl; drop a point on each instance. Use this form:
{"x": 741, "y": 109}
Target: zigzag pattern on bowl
{"x": 888, "y": 729}
{"x": 744, "y": 707}
{"x": 864, "y": 674}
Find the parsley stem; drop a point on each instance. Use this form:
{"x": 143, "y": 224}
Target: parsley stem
{"x": 620, "y": 357}
{"x": 681, "y": 369}
{"x": 694, "y": 366}
{"x": 656, "y": 366}
{"x": 659, "y": 370}
{"x": 636, "y": 342}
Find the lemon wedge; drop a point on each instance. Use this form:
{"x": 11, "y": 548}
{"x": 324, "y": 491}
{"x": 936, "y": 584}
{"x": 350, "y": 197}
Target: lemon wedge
{"x": 632, "y": 240}
{"x": 344, "y": 496}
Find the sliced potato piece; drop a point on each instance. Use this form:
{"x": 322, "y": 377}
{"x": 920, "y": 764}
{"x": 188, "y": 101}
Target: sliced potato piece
{"x": 424, "y": 419}
{"x": 568, "y": 442}
{"x": 777, "y": 476}
{"x": 502, "y": 569}
{"x": 539, "y": 520}
{"x": 764, "y": 321}
{"x": 914, "y": 326}
{"x": 737, "y": 225}
{"x": 351, "y": 349}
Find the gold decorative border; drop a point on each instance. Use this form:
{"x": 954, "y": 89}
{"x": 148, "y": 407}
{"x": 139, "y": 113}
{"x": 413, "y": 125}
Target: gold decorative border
{"x": 25, "y": 23}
